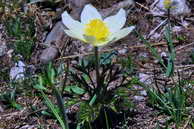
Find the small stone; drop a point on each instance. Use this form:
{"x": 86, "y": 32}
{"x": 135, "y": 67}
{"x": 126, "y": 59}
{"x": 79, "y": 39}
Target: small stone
{"x": 74, "y": 62}
{"x": 17, "y": 72}
{"x": 143, "y": 93}
{"x": 56, "y": 36}
{"x": 143, "y": 55}
{"x": 139, "y": 98}
{"x": 48, "y": 54}
{"x": 122, "y": 51}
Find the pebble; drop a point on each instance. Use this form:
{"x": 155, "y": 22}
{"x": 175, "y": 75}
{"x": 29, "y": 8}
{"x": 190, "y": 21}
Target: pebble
{"x": 139, "y": 98}
{"x": 143, "y": 93}
{"x": 48, "y": 54}
{"x": 123, "y": 51}
{"x": 56, "y": 33}
{"x": 54, "y": 40}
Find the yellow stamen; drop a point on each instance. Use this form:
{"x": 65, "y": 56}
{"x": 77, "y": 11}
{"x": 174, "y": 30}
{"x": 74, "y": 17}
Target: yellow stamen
{"x": 167, "y": 4}
{"x": 97, "y": 29}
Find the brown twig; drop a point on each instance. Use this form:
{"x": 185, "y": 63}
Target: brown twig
{"x": 187, "y": 122}
{"x": 38, "y": 110}
{"x": 146, "y": 8}
{"x": 108, "y": 50}
{"x": 183, "y": 47}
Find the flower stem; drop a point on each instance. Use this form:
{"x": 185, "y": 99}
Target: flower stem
{"x": 168, "y": 16}
{"x": 97, "y": 67}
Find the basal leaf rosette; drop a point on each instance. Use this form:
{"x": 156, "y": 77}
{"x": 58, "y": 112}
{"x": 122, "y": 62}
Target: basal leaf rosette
{"x": 94, "y": 29}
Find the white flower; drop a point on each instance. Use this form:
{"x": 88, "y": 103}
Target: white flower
{"x": 167, "y": 4}
{"x": 95, "y": 30}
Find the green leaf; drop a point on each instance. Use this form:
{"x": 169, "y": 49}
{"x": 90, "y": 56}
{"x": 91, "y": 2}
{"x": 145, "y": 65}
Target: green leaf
{"x": 127, "y": 64}
{"x": 52, "y": 108}
{"x": 46, "y": 113}
{"x": 87, "y": 113}
{"x": 86, "y": 77}
{"x": 152, "y": 49}
{"x": 40, "y": 85}
{"x": 92, "y": 101}
{"x": 122, "y": 92}
{"x": 170, "y": 68}
{"x": 75, "y": 89}
{"x": 51, "y": 74}
{"x": 171, "y": 50}
{"x": 78, "y": 126}
{"x": 16, "y": 105}
{"x": 106, "y": 58}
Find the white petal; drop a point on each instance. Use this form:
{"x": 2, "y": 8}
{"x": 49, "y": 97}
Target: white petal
{"x": 102, "y": 43}
{"x": 74, "y": 34}
{"x": 122, "y": 33}
{"x": 89, "y": 39}
{"x": 92, "y": 40}
{"x": 89, "y": 13}
{"x": 110, "y": 40}
{"x": 117, "y": 21}
{"x": 72, "y": 24}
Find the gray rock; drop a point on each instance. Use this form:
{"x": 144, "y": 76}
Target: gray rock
{"x": 143, "y": 55}
{"x": 56, "y": 35}
{"x": 48, "y": 54}
{"x": 139, "y": 98}
{"x": 179, "y": 7}
{"x": 77, "y": 6}
{"x": 3, "y": 49}
{"x": 55, "y": 39}
{"x": 17, "y": 72}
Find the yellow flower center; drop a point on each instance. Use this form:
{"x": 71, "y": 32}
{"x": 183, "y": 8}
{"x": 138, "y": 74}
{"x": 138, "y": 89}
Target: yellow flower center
{"x": 97, "y": 29}
{"x": 167, "y": 4}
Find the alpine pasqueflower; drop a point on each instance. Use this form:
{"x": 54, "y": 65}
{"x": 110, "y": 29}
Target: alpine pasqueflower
{"x": 167, "y": 4}
{"x": 93, "y": 29}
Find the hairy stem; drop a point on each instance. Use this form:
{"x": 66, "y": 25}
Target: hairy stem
{"x": 97, "y": 67}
